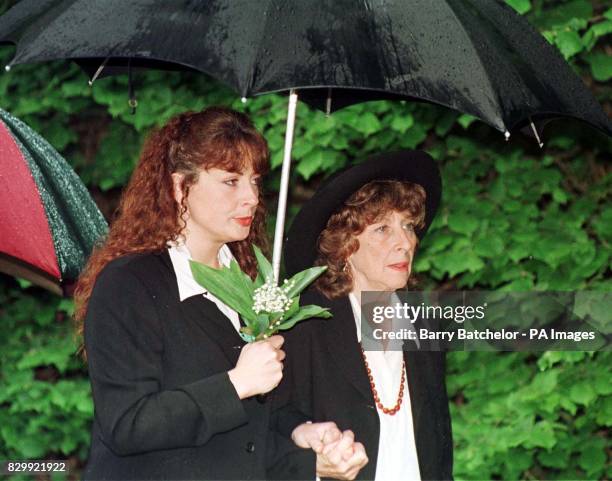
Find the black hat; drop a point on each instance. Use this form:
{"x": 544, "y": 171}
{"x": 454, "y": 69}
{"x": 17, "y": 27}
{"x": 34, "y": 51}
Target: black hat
{"x": 404, "y": 165}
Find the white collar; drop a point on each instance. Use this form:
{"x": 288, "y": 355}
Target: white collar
{"x": 180, "y": 257}
{"x": 356, "y": 306}
{"x": 394, "y": 300}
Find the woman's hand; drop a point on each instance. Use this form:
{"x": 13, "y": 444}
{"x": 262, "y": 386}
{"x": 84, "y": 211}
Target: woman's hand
{"x": 338, "y": 455}
{"x": 342, "y": 459}
{"x": 259, "y": 368}
{"x": 315, "y": 435}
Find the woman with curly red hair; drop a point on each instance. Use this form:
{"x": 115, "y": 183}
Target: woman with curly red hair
{"x": 173, "y": 383}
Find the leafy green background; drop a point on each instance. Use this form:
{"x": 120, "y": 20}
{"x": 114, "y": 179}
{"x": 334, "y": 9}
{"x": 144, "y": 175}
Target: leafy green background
{"x": 513, "y": 217}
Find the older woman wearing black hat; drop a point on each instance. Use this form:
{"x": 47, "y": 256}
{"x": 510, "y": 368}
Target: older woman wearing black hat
{"x": 365, "y": 225}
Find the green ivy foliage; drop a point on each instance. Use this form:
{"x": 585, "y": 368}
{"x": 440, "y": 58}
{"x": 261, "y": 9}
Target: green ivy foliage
{"x": 513, "y": 217}
{"x": 46, "y": 407}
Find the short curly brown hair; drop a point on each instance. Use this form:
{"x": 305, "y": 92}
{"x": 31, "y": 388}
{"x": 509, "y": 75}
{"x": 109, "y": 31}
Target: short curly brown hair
{"x": 364, "y": 207}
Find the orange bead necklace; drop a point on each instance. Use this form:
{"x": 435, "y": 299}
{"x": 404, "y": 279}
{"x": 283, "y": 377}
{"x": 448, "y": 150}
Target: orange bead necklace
{"x": 400, "y": 397}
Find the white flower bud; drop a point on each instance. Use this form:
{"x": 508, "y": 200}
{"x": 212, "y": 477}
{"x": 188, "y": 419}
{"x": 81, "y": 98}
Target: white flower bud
{"x": 270, "y": 298}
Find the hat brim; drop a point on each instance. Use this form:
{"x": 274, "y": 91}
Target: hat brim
{"x": 412, "y": 166}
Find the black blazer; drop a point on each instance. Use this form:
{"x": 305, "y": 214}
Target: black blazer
{"x": 164, "y": 407}
{"x": 325, "y": 380}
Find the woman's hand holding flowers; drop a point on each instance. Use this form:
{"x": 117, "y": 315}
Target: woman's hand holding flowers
{"x": 259, "y": 368}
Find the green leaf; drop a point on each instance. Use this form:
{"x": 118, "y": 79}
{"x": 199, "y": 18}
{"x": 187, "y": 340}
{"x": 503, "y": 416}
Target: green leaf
{"x": 595, "y": 32}
{"x": 311, "y": 163}
{"x": 569, "y": 43}
{"x": 23, "y": 283}
{"x": 456, "y": 261}
{"x": 306, "y": 312}
{"x": 293, "y": 308}
{"x": 541, "y": 435}
{"x": 367, "y": 124}
{"x": 603, "y": 224}
{"x": 521, "y": 6}
{"x": 226, "y": 285}
{"x": 601, "y": 66}
{"x": 401, "y": 123}
{"x": 437, "y": 241}
{"x": 463, "y": 223}
{"x": 446, "y": 122}
{"x": 549, "y": 36}
{"x": 594, "y": 307}
{"x": 31, "y": 447}
{"x": 302, "y": 279}
{"x": 413, "y": 137}
{"x": 560, "y": 196}
{"x": 68, "y": 445}
{"x": 302, "y": 149}
{"x": 262, "y": 322}
{"x": 582, "y": 393}
{"x": 602, "y": 384}
{"x": 465, "y": 120}
{"x": 563, "y": 14}
{"x": 58, "y": 352}
{"x": 553, "y": 459}
{"x": 488, "y": 246}
{"x": 604, "y": 414}
{"x": 593, "y": 456}
{"x": 276, "y": 159}
{"x": 241, "y": 277}
{"x": 264, "y": 267}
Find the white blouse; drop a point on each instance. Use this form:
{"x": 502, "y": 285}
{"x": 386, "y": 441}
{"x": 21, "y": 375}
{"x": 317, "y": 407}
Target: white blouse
{"x": 397, "y": 454}
{"x": 188, "y": 286}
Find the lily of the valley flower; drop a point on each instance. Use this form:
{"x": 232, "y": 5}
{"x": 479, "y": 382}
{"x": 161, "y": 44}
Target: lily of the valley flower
{"x": 264, "y": 307}
{"x": 271, "y": 298}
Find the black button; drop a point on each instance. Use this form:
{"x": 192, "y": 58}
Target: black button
{"x": 250, "y": 447}
{"x": 261, "y": 398}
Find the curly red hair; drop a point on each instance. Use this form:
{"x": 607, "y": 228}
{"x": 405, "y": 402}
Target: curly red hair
{"x": 148, "y": 216}
{"x": 364, "y": 207}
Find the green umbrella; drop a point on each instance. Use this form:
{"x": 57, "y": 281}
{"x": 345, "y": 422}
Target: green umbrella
{"x": 48, "y": 221}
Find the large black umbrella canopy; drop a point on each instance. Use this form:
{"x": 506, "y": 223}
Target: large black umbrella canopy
{"x": 475, "y": 56}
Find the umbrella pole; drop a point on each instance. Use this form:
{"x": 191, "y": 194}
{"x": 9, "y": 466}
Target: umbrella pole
{"x": 284, "y": 186}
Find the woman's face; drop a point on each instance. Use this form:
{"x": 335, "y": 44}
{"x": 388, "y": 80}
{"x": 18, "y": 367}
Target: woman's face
{"x": 220, "y": 205}
{"x": 383, "y": 261}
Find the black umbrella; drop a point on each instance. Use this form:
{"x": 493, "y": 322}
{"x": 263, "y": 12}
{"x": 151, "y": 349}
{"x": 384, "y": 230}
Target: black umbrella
{"x": 475, "y": 56}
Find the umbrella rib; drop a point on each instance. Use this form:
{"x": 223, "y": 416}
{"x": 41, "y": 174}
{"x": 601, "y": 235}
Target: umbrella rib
{"x": 493, "y": 92}
{"x": 249, "y": 85}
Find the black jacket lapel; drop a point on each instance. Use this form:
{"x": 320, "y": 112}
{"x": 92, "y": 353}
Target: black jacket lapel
{"x": 341, "y": 335}
{"x": 206, "y": 315}
{"x": 416, "y": 386}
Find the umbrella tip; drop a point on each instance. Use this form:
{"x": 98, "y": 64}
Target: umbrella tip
{"x": 507, "y": 135}
{"x": 243, "y": 100}
{"x": 535, "y": 132}
{"x": 98, "y": 72}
